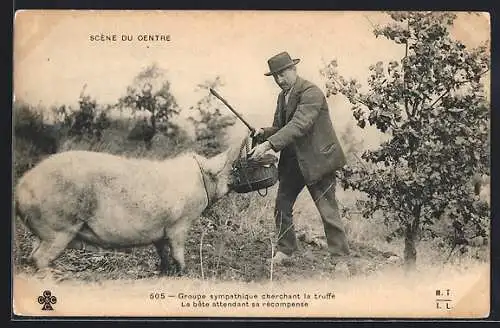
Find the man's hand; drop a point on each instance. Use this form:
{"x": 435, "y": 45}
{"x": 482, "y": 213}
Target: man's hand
{"x": 259, "y": 133}
{"x": 258, "y": 151}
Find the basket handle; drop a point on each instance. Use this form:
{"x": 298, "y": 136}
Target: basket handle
{"x": 263, "y": 195}
{"x": 245, "y": 148}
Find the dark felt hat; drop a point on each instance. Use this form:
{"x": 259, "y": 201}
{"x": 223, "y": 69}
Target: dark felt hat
{"x": 280, "y": 62}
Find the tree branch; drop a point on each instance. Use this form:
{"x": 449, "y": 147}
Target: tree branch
{"x": 405, "y": 85}
{"x": 357, "y": 98}
{"x": 453, "y": 85}
{"x": 439, "y": 98}
{"x": 361, "y": 162}
{"x": 424, "y": 96}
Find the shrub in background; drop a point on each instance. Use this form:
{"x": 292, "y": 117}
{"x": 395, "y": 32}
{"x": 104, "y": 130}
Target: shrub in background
{"x": 33, "y": 137}
{"x": 150, "y": 93}
{"x": 209, "y": 123}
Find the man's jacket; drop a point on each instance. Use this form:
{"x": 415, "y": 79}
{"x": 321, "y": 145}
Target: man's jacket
{"x": 304, "y": 126}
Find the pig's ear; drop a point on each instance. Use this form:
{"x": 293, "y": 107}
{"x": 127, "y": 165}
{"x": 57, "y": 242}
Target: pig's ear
{"x": 222, "y": 163}
{"x": 235, "y": 151}
{"x": 228, "y": 157}
{"x": 215, "y": 165}
{"x": 238, "y": 141}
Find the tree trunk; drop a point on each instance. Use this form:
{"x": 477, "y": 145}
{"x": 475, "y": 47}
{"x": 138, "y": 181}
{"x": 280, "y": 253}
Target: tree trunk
{"x": 410, "y": 251}
{"x": 153, "y": 120}
{"x": 149, "y": 142}
{"x": 411, "y": 240}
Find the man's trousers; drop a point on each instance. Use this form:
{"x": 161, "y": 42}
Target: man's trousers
{"x": 291, "y": 183}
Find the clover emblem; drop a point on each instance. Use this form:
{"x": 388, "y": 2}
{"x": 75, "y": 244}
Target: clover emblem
{"x": 47, "y": 300}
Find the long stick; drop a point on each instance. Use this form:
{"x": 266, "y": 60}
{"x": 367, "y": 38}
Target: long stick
{"x": 212, "y": 91}
{"x": 272, "y": 259}
{"x": 201, "y": 255}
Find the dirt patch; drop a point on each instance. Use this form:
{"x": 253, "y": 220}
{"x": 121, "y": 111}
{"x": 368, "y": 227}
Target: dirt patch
{"x": 228, "y": 253}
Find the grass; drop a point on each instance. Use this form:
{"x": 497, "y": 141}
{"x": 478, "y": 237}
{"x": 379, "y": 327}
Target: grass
{"x": 236, "y": 246}
{"x": 232, "y": 241}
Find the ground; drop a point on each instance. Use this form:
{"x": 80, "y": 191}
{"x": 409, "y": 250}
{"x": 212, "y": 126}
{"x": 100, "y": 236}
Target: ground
{"x": 228, "y": 251}
{"x": 233, "y": 242}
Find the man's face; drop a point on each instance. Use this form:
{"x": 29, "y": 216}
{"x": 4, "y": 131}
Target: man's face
{"x": 286, "y": 78}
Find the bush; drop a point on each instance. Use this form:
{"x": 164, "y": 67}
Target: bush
{"x": 210, "y": 125}
{"x": 33, "y": 138}
{"x": 88, "y": 121}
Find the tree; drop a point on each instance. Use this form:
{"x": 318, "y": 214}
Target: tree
{"x": 210, "y": 124}
{"x": 150, "y": 92}
{"x": 433, "y": 106}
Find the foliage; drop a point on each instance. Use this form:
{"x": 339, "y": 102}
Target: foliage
{"x": 150, "y": 93}
{"x": 33, "y": 138}
{"x": 210, "y": 124}
{"x": 433, "y": 105}
{"x": 29, "y": 124}
{"x": 230, "y": 241}
{"x": 88, "y": 121}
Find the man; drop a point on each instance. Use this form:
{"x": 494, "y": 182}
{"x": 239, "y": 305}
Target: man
{"x": 310, "y": 156}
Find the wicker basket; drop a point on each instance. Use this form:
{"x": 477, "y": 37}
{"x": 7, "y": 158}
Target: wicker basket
{"x": 251, "y": 175}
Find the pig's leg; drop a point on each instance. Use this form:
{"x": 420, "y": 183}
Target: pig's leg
{"x": 163, "y": 250}
{"x": 36, "y": 245}
{"x": 176, "y": 238}
{"x": 51, "y": 248}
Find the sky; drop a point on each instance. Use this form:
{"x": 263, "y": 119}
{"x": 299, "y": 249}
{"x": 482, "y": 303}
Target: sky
{"x": 54, "y": 56}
